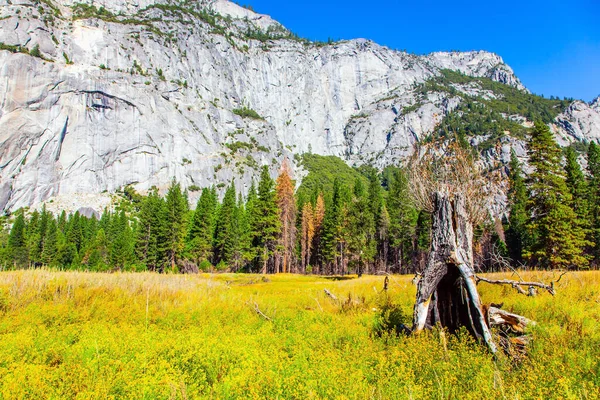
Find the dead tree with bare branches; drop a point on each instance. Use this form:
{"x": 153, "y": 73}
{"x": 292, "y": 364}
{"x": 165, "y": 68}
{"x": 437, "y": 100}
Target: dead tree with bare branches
{"x": 447, "y": 183}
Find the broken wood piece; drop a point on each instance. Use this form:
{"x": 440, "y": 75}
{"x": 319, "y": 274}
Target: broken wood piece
{"x": 517, "y": 284}
{"x": 257, "y": 309}
{"x": 498, "y": 317}
{"x": 328, "y": 293}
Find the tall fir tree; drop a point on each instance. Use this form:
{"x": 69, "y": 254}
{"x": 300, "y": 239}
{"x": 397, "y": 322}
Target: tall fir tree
{"x": 121, "y": 251}
{"x": 593, "y": 167}
{"x": 49, "y": 250}
{"x": 516, "y": 234}
{"x": 149, "y": 230}
{"x": 307, "y": 235}
{"x": 317, "y": 246}
{"x": 226, "y": 233}
{"x": 17, "y": 242}
{"x": 361, "y": 228}
{"x": 266, "y": 223}
{"x": 557, "y": 237}
{"x": 175, "y": 212}
{"x": 202, "y": 226}
{"x": 403, "y": 220}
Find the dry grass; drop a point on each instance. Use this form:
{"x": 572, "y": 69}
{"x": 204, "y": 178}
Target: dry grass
{"x": 147, "y": 336}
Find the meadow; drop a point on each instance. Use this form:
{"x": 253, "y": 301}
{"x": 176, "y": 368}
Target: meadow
{"x": 79, "y": 335}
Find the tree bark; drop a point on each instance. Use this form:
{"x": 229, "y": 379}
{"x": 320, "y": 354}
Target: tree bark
{"x": 447, "y": 293}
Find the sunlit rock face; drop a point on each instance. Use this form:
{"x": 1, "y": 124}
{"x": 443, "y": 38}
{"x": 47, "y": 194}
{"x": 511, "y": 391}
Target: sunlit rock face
{"x": 144, "y": 92}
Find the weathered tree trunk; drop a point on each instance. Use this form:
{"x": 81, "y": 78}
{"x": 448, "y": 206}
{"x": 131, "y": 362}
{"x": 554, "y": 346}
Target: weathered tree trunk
{"x": 446, "y": 293}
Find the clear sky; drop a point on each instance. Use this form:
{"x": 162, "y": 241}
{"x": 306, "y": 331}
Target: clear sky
{"x": 553, "y": 46}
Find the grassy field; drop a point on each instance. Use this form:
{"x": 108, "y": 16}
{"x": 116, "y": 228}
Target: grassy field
{"x": 147, "y": 336}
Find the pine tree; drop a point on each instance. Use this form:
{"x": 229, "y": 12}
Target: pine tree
{"x": 557, "y": 237}
{"x": 593, "y": 167}
{"x": 48, "y": 255}
{"x": 97, "y": 259}
{"x": 334, "y": 237}
{"x": 247, "y": 240}
{"x": 287, "y": 217}
{"x": 307, "y": 234}
{"x": 361, "y": 228}
{"x": 66, "y": 252}
{"x": 403, "y": 220}
{"x": 516, "y": 234}
{"x": 226, "y": 234}
{"x": 74, "y": 230}
{"x": 17, "y": 242}
{"x": 121, "y": 250}
{"x": 174, "y": 225}
{"x": 317, "y": 247}
{"x": 200, "y": 234}
{"x": 150, "y": 228}
{"x": 383, "y": 239}
{"x": 266, "y": 224}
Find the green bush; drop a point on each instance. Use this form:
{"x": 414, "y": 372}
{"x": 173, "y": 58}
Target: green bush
{"x": 246, "y": 112}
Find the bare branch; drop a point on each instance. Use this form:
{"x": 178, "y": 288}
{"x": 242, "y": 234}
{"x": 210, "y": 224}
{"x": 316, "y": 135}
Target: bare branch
{"x": 331, "y": 295}
{"x": 517, "y": 284}
{"x": 259, "y": 312}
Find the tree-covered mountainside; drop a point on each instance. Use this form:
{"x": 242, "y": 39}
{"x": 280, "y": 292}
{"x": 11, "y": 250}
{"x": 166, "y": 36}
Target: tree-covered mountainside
{"x": 489, "y": 108}
{"x": 340, "y": 220}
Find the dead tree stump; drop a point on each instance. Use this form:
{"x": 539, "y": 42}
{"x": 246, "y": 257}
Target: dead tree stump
{"x": 447, "y": 293}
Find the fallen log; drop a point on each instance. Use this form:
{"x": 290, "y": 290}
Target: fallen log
{"x": 517, "y": 284}
{"x": 498, "y": 317}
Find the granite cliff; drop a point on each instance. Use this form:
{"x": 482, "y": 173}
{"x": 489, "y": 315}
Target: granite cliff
{"x": 95, "y": 96}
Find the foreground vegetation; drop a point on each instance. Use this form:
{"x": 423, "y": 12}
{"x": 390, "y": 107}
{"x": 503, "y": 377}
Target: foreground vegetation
{"x": 94, "y": 335}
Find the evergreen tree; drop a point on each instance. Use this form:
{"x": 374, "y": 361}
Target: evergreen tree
{"x": 516, "y": 234}
{"x": 265, "y": 221}
{"x": 593, "y": 167}
{"x": 361, "y": 228}
{"x": 557, "y": 237}
{"x": 74, "y": 230}
{"x": 247, "y": 240}
{"x": 200, "y": 234}
{"x": 150, "y": 229}
{"x": 34, "y": 238}
{"x": 17, "y": 243}
{"x": 121, "y": 250}
{"x": 334, "y": 237}
{"x": 317, "y": 247}
{"x": 403, "y": 220}
{"x": 174, "y": 225}
{"x": 383, "y": 239}
{"x": 66, "y": 252}
{"x": 48, "y": 255}
{"x": 307, "y": 234}
{"x": 97, "y": 259}
{"x": 226, "y": 233}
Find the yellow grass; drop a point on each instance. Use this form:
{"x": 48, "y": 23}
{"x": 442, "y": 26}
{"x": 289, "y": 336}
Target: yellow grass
{"x": 149, "y": 336}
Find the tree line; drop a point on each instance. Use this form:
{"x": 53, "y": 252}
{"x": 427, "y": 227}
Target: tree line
{"x": 363, "y": 228}
{"x": 554, "y": 209}
{"x": 370, "y": 226}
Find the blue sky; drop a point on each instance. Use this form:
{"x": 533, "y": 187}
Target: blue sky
{"x": 553, "y": 46}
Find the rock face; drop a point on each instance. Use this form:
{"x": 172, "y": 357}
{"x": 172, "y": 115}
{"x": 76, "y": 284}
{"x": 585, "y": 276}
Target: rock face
{"x": 141, "y": 92}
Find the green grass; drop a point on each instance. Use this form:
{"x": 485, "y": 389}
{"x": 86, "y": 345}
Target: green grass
{"x": 91, "y": 335}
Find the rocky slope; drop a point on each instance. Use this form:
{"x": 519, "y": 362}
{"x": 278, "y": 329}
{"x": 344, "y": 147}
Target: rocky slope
{"x": 97, "y": 96}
